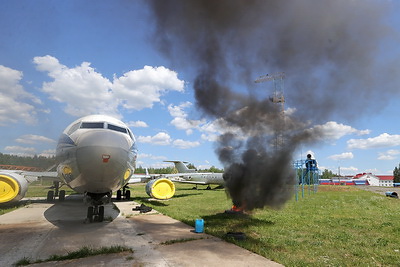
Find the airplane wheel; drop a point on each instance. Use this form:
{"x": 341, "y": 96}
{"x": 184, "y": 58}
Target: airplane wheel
{"x": 128, "y": 194}
{"x": 61, "y": 196}
{"x": 119, "y": 195}
{"x": 90, "y": 214}
{"x": 50, "y": 196}
{"x": 101, "y": 214}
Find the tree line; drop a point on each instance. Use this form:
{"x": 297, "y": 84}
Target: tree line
{"x": 40, "y": 162}
{"x": 396, "y": 174}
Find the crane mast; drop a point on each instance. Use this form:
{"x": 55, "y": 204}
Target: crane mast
{"x": 278, "y": 98}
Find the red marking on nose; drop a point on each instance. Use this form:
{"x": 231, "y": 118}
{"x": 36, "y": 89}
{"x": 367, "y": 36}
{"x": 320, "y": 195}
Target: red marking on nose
{"x": 105, "y": 158}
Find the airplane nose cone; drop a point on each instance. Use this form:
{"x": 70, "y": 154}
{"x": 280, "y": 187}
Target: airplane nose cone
{"x": 102, "y": 159}
{"x": 104, "y": 139}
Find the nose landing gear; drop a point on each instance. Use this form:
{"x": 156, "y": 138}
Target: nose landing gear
{"x": 95, "y": 212}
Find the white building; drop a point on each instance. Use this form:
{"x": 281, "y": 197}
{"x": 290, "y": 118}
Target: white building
{"x": 378, "y": 180}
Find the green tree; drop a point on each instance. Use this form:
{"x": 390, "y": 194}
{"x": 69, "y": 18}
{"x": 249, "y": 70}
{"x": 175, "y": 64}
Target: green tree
{"x": 327, "y": 174}
{"x": 396, "y": 174}
{"x": 191, "y": 166}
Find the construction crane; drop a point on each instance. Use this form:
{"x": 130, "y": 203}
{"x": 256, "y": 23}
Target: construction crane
{"x": 278, "y": 79}
{"x": 277, "y": 98}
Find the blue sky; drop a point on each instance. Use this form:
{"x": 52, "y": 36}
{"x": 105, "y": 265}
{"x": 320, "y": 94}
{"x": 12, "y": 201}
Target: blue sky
{"x": 59, "y": 59}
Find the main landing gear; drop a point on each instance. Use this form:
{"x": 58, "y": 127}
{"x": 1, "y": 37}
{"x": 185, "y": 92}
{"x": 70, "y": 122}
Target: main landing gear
{"x": 125, "y": 192}
{"x": 51, "y": 195}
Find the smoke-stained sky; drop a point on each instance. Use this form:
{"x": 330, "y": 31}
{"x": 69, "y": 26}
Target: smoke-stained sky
{"x": 328, "y": 51}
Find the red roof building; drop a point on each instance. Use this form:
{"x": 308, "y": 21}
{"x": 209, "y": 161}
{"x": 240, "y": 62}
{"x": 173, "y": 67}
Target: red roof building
{"x": 378, "y": 180}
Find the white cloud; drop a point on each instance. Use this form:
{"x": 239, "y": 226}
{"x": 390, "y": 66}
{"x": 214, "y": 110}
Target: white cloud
{"x": 151, "y": 156}
{"x": 164, "y": 139}
{"x": 33, "y": 139}
{"x": 333, "y": 130}
{"x": 210, "y": 129}
{"x": 14, "y": 100}
{"x": 383, "y": 140}
{"x": 137, "y": 124}
{"x": 388, "y": 155}
{"x": 139, "y": 89}
{"x": 182, "y": 144}
{"x": 181, "y": 120}
{"x": 345, "y": 155}
{"x": 161, "y": 139}
{"x": 85, "y": 91}
{"x": 348, "y": 170}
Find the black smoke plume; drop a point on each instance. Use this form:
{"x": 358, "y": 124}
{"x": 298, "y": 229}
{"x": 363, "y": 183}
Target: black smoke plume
{"x": 328, "y": 50}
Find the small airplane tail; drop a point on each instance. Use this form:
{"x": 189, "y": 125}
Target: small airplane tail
{"x": 180, "y": 166}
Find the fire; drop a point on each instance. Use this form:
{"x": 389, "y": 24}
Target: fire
{"x": 237, "y": 208}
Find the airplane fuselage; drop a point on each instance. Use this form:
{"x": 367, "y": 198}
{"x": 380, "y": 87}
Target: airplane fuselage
{"x": 96, "y": 155}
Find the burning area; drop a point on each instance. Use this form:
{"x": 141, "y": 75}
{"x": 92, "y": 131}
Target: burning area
{"x": 327, "y": 49}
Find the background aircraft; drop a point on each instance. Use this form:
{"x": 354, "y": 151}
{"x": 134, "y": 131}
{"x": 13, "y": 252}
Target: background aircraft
{"x": 186, "y": 175}
{"x": 96, "y": 155}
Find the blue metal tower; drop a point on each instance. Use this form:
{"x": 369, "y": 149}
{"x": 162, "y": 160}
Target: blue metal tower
{"x": 307, "y": 174}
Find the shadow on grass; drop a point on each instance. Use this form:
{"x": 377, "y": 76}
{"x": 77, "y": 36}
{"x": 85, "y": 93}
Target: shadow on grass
{"x": 146, "y": 200}
{"x": 186, "y": 195}
{"x": 201, "y": 189}
{"x": 221, "y": 223}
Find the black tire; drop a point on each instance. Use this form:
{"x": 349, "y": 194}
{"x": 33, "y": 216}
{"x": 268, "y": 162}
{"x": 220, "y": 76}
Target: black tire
{"x": 128, "y": 194}
{"x": 101, "y": 214}
{"x": 50, "y": 196}
{"x": 61, "y": 196}
{"x": 119, "y": 195}
{"x": 90, "y": 214}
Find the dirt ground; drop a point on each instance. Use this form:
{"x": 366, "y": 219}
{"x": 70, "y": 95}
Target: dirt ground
{"x": 380, "y": 189}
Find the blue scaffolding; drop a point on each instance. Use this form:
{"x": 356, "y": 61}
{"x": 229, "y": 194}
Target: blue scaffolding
{"x": 307, "y": 176}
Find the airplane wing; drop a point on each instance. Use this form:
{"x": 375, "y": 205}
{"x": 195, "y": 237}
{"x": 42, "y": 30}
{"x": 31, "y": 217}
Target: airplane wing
{"x": 14, "y": 183}
{"x": 183, "y": 180}
{"x": 33, "y": 176}
{"x": 141, "y": 178}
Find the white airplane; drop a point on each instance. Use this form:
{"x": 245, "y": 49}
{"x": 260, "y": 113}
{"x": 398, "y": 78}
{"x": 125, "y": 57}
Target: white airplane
{"x": 96, "y": 156}
{"x": 186, "y": 175}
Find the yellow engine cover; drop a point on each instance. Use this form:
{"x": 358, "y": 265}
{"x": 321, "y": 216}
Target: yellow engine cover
{"x": 160, "y": 188}
{"x": 9, "y": 188}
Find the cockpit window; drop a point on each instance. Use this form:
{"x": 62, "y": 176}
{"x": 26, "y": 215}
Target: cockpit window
{"x": 130, "y": 134}
{"x": 116, "y": 128}
{"x": 73, "y": 128}
{"x": 92, "y": 125}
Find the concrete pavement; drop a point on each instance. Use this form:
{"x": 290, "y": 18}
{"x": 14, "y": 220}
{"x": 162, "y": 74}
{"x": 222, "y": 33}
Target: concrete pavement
{"x": 40, "y": 230}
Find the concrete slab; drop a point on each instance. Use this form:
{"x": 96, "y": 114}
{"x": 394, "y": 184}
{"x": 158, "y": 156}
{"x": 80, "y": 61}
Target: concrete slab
{"x": 40, "y": 230}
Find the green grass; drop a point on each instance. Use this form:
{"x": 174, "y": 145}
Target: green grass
{"x": 338, "y": 226}
{"x": 40, "y": 189}
{"x": 81, "y": 253}
{"x": 5, "y": 208}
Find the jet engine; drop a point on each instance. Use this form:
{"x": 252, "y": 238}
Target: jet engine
{"x": 13, "y": 187}
{"x": 161, "y": 188}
